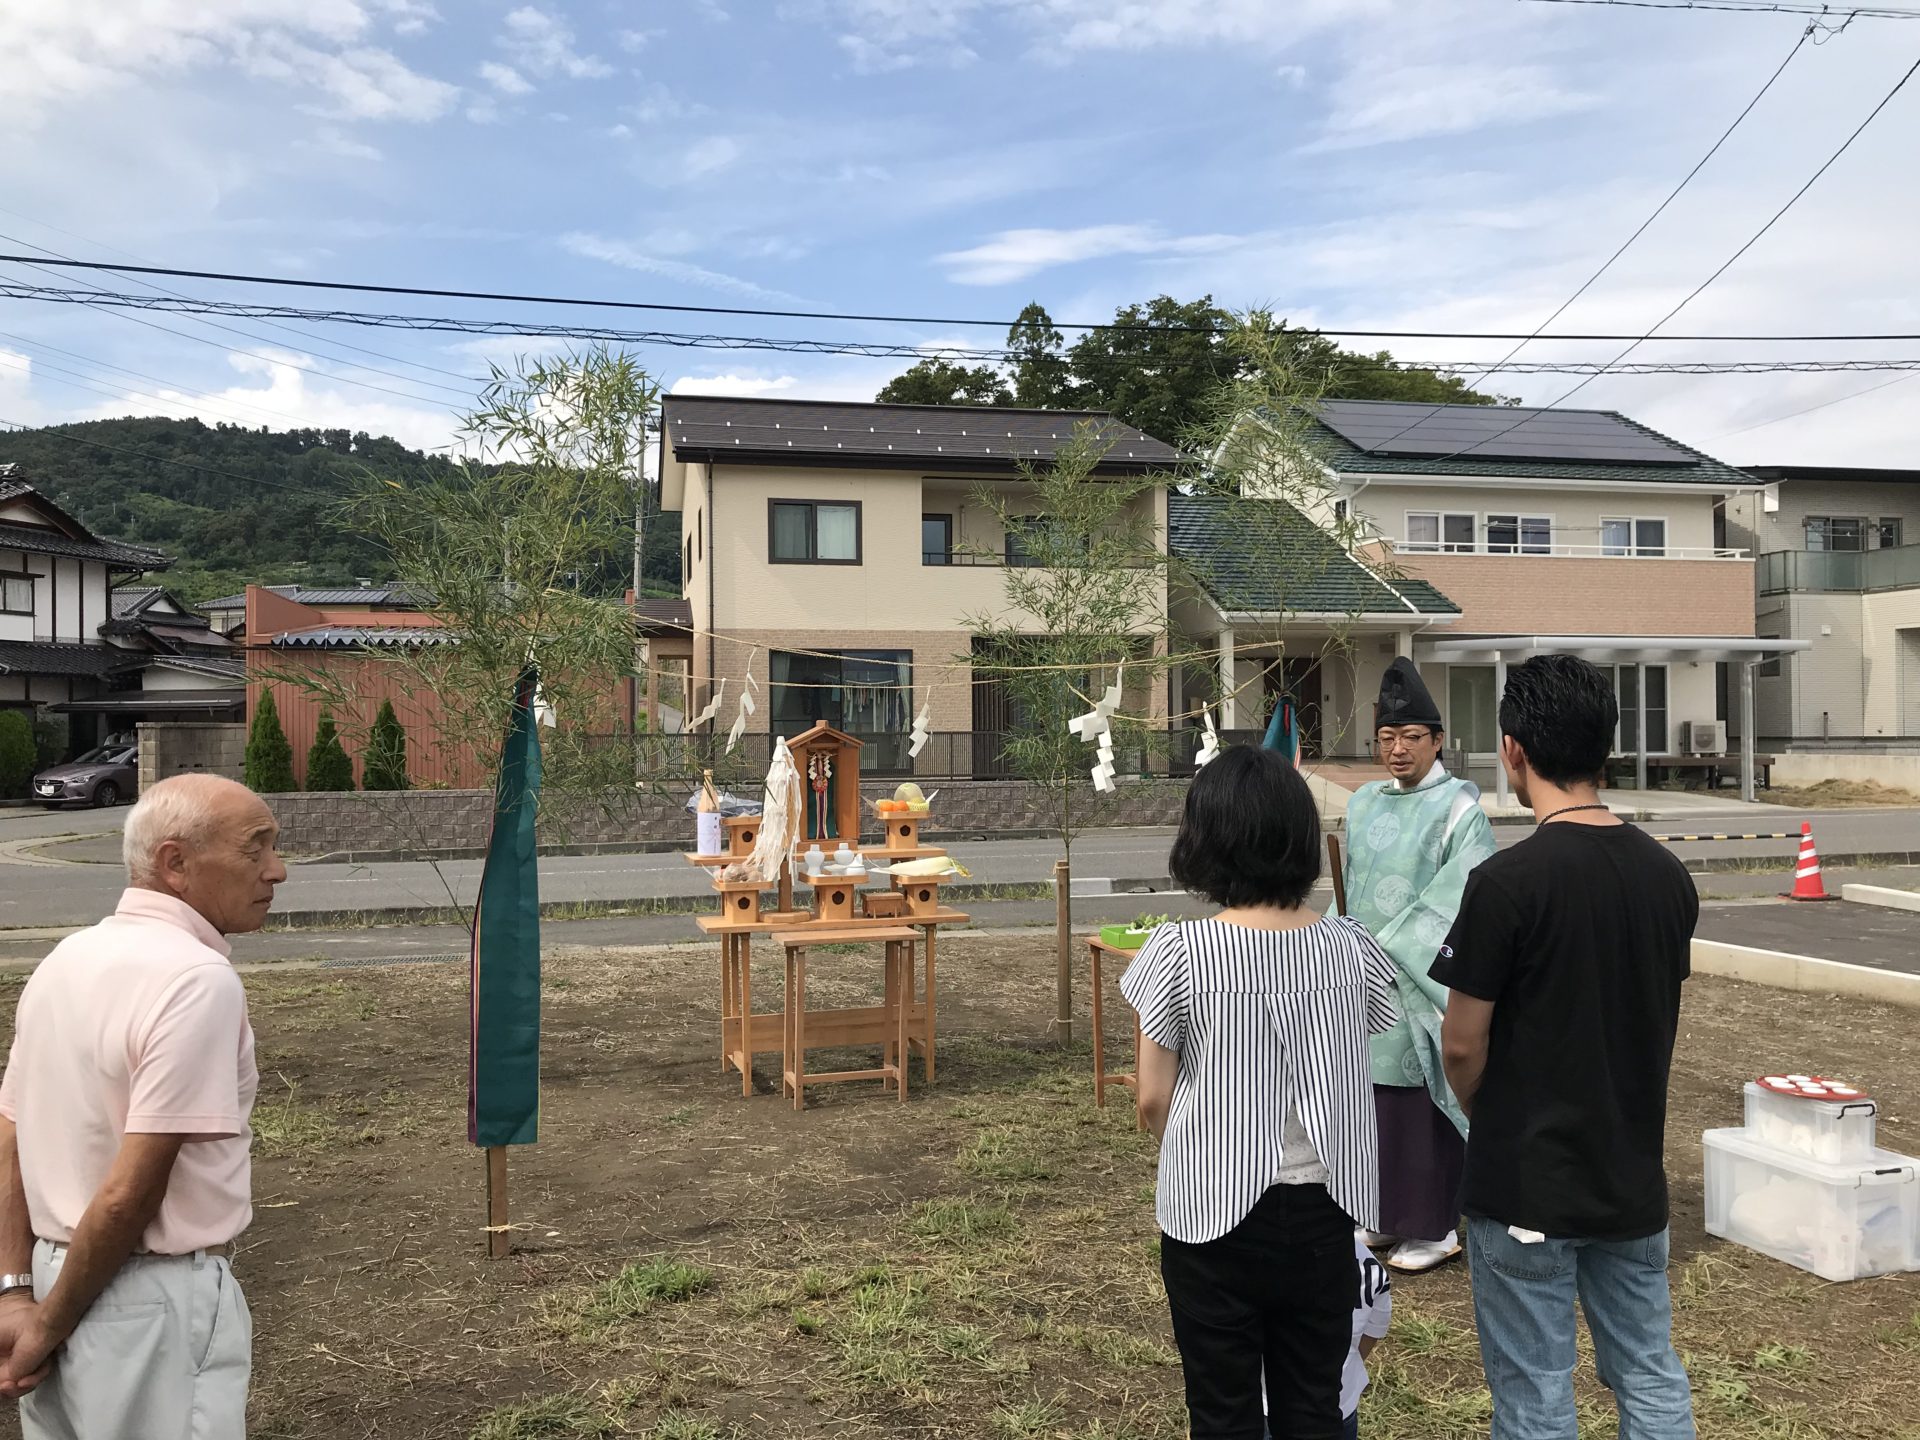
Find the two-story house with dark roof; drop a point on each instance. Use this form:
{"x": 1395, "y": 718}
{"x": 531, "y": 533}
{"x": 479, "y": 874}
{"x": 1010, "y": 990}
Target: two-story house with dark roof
{"x": 1574, "y": 531}
{"x": 56, "y": 594}
{"x": 840, "y": 550}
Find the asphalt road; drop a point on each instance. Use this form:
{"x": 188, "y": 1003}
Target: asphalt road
{"x": 1883, "y": 939}
{"x": 45, "y": 882}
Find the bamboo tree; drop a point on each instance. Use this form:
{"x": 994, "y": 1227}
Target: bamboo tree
{"x": 1084, "y": 596}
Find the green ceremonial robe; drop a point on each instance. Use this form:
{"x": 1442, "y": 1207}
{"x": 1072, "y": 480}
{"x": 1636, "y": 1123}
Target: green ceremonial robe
{"x": 1408, "y": 856}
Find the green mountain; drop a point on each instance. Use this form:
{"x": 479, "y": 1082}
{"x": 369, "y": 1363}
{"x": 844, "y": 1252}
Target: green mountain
{"x": 233, "y": 505}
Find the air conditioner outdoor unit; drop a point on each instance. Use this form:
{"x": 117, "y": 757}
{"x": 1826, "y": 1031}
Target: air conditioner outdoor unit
{"x": 1704, "y": 737}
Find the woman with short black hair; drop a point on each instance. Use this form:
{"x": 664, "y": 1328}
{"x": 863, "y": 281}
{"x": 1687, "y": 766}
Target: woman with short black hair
{"x": 1254, "y": 1073}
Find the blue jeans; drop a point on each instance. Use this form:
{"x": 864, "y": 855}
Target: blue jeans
{"x": 1523, "y": 1303}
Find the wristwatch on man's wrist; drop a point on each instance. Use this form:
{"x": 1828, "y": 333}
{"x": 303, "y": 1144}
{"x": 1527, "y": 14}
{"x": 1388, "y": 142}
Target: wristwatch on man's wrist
{"x": 11, "y": 1283}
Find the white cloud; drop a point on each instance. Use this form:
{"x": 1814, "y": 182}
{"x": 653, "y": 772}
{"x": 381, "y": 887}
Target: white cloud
{"x": 545, "y": 46}
{"x": 368, "y": 84}
{"x": 659, "y": 103}
{"x": 17, "y": 403}
{"x": 504, "y": 78}
{"x": 506, "y": 350}
{"x": 331, "y": 140}
{"x": 410, "y": 17}
{"x": 748, "y": 386}
{"x": 710, "y": 156}
{"x": 1015, "y": 254}
{"x": 634, "y": 41}
{"x": 1414, "y": 102}
{"x": 274, "y": 389}
{"x": 619, "y": 132}
{"x": 884, "y": 35}
{"x": 628, "y": 257}
{"x": 1292, "y": 76}
{"x": 53, "y": 55}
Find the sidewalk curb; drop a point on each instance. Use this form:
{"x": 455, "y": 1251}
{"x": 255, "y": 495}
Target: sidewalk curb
{"x": 1804, "y": 973}
{"x": 697, "y": 904}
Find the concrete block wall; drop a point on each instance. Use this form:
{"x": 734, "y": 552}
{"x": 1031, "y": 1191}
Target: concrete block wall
{"x": 426, "y": 821}
{"x": 182, "y": 747}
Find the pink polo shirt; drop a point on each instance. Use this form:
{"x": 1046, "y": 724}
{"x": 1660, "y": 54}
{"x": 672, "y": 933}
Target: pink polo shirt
{"x": 135, "y": 1026}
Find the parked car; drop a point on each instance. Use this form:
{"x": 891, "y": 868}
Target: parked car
{"x": 103, "y": 776}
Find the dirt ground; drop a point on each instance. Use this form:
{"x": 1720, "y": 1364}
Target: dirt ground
{"x": 690, "y": 1264}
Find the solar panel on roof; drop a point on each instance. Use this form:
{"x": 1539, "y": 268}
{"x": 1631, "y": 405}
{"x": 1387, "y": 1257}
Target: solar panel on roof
{"x": 1497, "y": 432}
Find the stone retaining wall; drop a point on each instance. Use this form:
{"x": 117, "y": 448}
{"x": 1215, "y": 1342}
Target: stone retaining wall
{"x": 441, "y": 821}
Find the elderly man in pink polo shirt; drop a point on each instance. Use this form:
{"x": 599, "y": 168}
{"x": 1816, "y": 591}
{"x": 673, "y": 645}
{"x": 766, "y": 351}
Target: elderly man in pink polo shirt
{"x": 124, "y": 1170}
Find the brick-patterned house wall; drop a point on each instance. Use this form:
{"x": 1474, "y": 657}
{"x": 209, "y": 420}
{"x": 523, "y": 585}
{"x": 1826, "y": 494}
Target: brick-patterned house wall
{"x": 441, "y": 821}
{"x": 1562, "y": 595}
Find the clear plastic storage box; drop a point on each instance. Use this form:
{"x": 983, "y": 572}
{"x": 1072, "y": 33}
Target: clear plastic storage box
{"x": 1841, "y": 1221}
{"x": 1832, "y": 1131}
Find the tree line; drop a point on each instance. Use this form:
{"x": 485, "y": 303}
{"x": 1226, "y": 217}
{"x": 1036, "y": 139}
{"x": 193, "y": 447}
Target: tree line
{"x": 1160, "y": 366}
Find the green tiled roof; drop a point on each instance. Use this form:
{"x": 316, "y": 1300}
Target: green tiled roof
{"x": 1265, "y": 557}
{"x": 1346, "y": 458}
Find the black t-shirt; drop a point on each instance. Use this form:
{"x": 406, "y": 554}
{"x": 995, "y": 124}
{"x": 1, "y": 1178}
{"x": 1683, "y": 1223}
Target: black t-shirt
{"x": 1579, "y": 936}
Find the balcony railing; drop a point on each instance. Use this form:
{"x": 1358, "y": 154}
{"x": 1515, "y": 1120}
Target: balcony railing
{"x": 1782, "y": 571}
{"x": 1556, "y": 550}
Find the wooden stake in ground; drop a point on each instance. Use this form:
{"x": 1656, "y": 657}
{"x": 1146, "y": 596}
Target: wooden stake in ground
{"x": 1063, "y": 959}
{"x": 1339, "y": 874}
{"x": 499, "y": 1238}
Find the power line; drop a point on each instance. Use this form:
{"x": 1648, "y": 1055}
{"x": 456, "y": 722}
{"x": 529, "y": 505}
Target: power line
{"x": 1726, "y": 265}
{"x": 1753, "y": 7}
{"x": 510, "y": 328}
{"x": 886, "y": 349}
{"x": 1796, "y": 414}
{"x": 1659, "y": 210}
{"x": 249, "y": 335}
{"x": 97, "y": 298}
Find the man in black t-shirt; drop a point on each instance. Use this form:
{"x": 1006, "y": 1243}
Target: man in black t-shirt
{"x": 1565, "y": 966}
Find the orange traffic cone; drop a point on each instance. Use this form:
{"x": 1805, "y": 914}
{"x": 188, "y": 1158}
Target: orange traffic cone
{"x": 1806, "y": 871}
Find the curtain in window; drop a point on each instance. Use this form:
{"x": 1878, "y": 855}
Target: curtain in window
{"x": 837, "y": 532}
{"x": 791, "y": 524}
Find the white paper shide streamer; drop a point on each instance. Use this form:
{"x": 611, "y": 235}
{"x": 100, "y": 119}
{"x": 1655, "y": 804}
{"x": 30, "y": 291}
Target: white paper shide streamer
{"x": 1209, "y": 741}
{"x": 779, "y": 816}
{"x": 705, "y": 717}
{"x": 919, "y": 735}
{"x": 1096, "y": 728}
{"x": 747, "y": 706}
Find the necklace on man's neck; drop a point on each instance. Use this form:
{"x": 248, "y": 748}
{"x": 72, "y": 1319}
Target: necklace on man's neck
{"x": 1569, "y": 809}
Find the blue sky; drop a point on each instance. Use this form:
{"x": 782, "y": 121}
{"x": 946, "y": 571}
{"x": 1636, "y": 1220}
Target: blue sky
{"x": 1387, "y": 163}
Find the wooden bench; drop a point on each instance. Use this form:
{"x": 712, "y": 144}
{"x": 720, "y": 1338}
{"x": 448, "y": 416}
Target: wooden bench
{"x": 1621, "y": 768}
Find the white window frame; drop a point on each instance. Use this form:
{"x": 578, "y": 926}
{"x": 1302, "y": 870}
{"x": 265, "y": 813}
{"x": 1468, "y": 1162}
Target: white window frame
{"x": 1520, "y": 520}
{"x": 1635, "y": 547}
{"x": 1440, "y": 545}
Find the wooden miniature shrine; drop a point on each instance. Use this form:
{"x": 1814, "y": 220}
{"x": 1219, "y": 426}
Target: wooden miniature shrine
{"x": 824, "y": 810}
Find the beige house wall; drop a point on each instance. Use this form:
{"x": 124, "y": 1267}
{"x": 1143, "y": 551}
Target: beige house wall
{"x": 1891, "y": 624}
{"x": 889, "y": 585}
{"x": 1861, "y": 676}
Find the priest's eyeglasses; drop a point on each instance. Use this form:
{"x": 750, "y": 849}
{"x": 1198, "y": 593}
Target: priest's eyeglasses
{"x": 1396, "y": 739}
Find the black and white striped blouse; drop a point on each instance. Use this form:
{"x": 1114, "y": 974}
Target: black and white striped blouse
{"x": 1265, "y": 1022}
